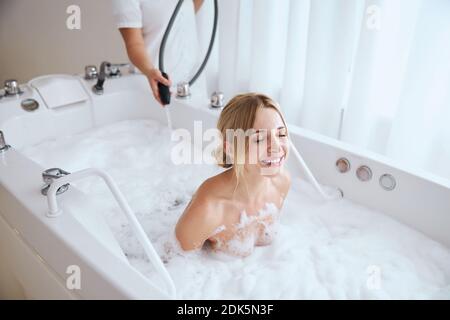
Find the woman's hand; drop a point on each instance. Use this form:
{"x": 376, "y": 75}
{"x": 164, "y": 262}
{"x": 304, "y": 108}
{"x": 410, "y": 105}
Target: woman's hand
{"x": 134, "y": 41}
{"x": 154, "y": 76}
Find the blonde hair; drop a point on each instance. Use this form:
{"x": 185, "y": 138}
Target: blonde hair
{"x": 240, "y": 113}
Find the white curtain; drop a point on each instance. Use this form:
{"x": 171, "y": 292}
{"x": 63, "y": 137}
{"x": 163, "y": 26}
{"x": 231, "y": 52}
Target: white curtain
{"x": 374, "y": 73}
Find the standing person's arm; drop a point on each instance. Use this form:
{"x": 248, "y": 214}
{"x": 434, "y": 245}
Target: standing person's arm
{"x": 197, "y": 5}
{"x": 134, "y": 42}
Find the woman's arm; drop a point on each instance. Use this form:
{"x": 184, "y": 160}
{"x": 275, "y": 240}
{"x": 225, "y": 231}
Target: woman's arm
{"x": 137, "y": 53}
{"x": 197, "y": 5}
{"x": 198, "y": 222}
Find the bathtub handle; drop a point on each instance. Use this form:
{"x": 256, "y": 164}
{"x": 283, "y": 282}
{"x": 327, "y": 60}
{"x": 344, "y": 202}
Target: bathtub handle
{"x": 55, "y": 211}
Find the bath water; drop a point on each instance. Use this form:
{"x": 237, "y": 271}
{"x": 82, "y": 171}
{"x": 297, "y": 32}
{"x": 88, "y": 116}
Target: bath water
{"x": 322, "y": 250}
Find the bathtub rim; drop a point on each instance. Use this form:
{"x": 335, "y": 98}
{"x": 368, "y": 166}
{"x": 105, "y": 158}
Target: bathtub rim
{"x": 299, "y": 134}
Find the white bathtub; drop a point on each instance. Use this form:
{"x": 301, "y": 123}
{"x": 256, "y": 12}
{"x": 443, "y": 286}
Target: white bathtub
{"x": 36, "y": 251}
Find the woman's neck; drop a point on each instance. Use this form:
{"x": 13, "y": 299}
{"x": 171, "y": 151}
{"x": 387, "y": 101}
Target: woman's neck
{"x": 252, "y": 188}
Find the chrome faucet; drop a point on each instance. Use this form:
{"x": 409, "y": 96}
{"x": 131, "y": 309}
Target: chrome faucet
{"x": 217, "y": 100}
{"x": 107, "y": 69}
{"x": 3, "y": 146}
{"x": 49, "y": 176}
{"x": 12, "y": 88}
{"x": 90, "y": 72}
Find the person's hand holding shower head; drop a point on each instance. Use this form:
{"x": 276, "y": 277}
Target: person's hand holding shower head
{"x": 132, "y": 20}
{"x": 138, "y": 55}
{"x": 155, "y": 77}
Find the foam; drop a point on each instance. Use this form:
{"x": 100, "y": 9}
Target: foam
{"x": 323, "y": 250}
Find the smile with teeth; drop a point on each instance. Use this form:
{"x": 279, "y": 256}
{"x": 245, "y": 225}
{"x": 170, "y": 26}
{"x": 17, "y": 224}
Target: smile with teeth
{"x": 272, "y": 162}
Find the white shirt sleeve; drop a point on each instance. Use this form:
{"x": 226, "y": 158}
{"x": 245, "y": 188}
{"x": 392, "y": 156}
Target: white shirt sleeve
{"x": 127, "y": 13}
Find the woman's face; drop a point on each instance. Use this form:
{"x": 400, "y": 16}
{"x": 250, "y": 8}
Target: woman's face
{"x": 268, "y": 144}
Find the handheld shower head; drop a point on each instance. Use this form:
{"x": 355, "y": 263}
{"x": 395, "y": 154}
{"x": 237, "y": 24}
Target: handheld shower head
{"x": 163, "y": 89}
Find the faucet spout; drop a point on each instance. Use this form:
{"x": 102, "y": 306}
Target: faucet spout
{"x": 108, "y": 69}
{"x": 98, "y": 87}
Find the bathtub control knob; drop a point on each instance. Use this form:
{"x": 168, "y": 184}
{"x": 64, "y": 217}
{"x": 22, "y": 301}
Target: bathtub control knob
{"x": 114, "y": 72}
{"x": 387, "y": 182}
{"x": 90, "y": 72}
{"x": 364, "y": 173}
{"x": 51, "y": 175}
{"x": 183, "y": 90}
{"x": 29, "y": 104}
{"x": 12, "y": 88}
{"x": 343, "y": 165}
{"x": 217, "y": 100}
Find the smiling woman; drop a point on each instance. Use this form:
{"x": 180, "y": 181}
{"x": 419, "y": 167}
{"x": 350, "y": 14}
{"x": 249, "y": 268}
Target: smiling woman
{"x": 239, "y": 208}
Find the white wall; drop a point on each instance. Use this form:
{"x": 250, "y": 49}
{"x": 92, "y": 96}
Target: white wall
{"x": 34, "y": 39}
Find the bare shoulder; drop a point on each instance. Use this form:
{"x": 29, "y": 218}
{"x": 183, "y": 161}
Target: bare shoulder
{"x": 205, "y": 203}
{"x": 209, "y": 195}
{"x": 201, "y": 217}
